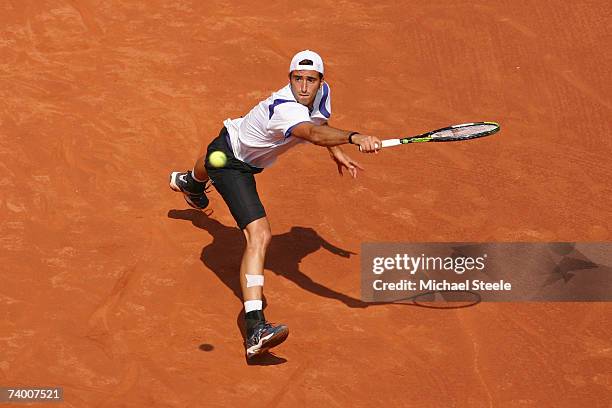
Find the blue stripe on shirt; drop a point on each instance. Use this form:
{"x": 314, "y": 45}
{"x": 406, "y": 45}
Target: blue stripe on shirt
{"x": 275, "y": 103}
{"x": 322, "y": 107}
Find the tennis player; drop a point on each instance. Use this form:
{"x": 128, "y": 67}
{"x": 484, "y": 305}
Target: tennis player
{"x": 295, "y": 114}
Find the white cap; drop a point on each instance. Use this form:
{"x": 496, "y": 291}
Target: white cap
{"x": 306, "y": 60}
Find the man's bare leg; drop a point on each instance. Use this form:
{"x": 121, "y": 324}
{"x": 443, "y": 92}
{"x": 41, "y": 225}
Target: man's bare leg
{"x": 258, "y": 236}
{"x": 260, "y": 335}
{"x": 199, "y": 170}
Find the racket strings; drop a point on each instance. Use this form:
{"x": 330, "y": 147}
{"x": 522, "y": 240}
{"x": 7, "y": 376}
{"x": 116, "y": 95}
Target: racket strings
{"x": 464, "y": 132}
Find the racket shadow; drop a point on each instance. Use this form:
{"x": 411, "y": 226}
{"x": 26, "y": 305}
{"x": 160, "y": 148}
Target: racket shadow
{"x": 443, "y": 299}
{"x": 286, "y": 252}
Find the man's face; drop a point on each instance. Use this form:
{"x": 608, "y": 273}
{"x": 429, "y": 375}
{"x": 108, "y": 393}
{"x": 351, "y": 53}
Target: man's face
{"x": 304, "y": 85}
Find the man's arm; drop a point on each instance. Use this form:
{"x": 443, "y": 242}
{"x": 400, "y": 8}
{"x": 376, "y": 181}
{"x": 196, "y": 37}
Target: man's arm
{"x": 324, "y": 135}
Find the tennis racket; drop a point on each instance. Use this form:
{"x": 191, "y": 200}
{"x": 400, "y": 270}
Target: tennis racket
{"x": 454, "y": 133}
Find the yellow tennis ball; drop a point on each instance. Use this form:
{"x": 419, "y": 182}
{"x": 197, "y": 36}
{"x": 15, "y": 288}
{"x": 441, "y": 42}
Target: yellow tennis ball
{"x": 217, "y": 159}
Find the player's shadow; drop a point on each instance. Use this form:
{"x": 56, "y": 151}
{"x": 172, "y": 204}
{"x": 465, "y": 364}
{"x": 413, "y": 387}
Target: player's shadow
{"x": 283, "y": 258}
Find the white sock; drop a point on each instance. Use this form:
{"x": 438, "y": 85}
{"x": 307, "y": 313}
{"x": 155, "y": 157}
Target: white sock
{"x": 251, "y": 305}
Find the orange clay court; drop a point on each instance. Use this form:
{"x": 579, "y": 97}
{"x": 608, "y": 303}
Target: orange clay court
{"x": 114, "y": 290}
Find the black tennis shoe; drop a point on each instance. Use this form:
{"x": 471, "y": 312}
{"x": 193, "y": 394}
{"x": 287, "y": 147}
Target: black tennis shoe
{"x": 193, "y": 191}
{"x": 264, "y": 337}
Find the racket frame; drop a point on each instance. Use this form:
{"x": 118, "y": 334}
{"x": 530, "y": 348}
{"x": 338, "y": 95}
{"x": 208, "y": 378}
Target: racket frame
{"x": 426, "y": 137}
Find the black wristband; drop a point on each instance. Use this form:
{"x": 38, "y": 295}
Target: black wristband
{"x": 350, "y": 136}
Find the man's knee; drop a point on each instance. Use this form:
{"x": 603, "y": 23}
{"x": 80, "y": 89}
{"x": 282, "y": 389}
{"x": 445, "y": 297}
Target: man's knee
{"x": 258, "y": 234}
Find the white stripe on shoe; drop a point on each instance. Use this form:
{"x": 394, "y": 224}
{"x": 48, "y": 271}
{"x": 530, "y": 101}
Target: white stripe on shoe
{"x": 173, "y": 178}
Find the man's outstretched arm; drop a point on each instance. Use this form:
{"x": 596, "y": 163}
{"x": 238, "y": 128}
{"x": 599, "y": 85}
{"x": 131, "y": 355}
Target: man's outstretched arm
{"x": 324, "y": 135}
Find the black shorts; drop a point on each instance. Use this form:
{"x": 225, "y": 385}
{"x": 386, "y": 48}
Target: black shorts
{"x": 235, "y": 182}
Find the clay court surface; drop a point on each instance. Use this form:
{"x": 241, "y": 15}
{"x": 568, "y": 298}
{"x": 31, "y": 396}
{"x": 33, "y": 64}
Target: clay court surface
{"x": 114, "y": 290}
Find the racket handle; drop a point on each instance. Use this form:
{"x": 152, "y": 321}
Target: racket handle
{"x": 391, "y": 142}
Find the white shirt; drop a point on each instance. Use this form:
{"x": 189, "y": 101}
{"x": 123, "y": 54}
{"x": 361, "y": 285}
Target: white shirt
{"x": 265, "y": 132}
